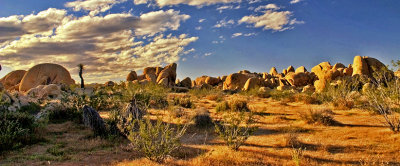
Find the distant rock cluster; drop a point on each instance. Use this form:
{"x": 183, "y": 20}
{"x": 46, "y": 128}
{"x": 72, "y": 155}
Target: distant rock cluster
{"x": 44, "y": 80}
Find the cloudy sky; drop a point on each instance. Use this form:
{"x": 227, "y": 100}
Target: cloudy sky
{"x": 205, "y": 37}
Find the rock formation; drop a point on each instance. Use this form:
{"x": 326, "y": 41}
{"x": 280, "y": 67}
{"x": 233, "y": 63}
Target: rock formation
{"x": 45, "y": 74}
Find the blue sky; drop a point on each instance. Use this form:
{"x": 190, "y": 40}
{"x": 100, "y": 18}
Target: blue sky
{"x": 303, "y": 33}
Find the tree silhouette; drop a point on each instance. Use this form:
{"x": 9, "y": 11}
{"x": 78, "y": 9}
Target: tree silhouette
{"x": 80, "y": 75}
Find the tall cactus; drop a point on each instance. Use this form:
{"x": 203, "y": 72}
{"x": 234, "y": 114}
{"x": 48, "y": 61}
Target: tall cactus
{"x": 80, "y": 75}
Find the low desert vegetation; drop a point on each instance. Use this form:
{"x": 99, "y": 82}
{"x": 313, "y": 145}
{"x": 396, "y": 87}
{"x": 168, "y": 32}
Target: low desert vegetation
{"x": 320, "y": 116}
{"x": 235, "y": 128}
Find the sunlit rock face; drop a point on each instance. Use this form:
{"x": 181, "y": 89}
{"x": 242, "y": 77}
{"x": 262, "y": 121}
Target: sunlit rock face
{"x": 45, "y": 74}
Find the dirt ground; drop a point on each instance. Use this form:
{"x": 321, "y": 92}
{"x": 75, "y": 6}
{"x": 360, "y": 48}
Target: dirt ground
{"x": 359, "y": 138}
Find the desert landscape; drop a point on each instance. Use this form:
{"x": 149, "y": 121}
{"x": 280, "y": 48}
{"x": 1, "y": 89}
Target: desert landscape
{"x": 332, "y": 115}
{"x": 200, "y": 82}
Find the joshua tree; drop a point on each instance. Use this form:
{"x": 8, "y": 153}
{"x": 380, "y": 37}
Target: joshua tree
{"x": 80, "y": 75}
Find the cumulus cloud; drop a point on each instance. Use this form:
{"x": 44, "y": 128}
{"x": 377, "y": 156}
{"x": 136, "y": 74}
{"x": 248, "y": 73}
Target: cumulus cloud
{"x": 42, "y": 23}
{"x": 294, "y": 1}
{"x": 108, "y": 45}
{"x": 163, "y": 3}
{"x": 275, "y": 20}
{"x": 93, "y": 6}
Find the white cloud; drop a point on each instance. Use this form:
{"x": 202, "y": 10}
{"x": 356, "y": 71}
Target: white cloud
{"x": 224, "y": 23}
{"x": 241, "y": 34}
{"x": 236, "y": 35}
{"x": 275, "y": 20}
{"x": 198, "y": 28}
{"x": 93, "y": 6}
{"x": 254, "y": 1}
{"x": 202, "y": 20}
{"x": 163, "y": 3}
{"x": 294, "y": 1}
{"x": 41, "y": 23}
{"x": 208, "y": 54}
{"x": 107, "y": 45}
{"x": 269, "y": 6}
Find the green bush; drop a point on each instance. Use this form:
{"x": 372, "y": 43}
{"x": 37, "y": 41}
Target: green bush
{"x": 235, "y": 128}
{"x": 16, "y": 129}
{"x": 156, "y": 141}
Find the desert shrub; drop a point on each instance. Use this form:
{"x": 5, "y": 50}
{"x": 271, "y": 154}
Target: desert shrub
{"x": 291, "y": 140}
{"x": 156, "y": 141}
{"x": 32, "y": 108}
{"x": 235, "y": 128}
{"x": 298, "y": 155}
{"x": 255, "y": 92}
{"x": 340, "y": 95}
{"x": 202, "y": 118}
{"x": 215, "y": 97}
{"x": 323, "y": 116}
{"x": 384, "y": 98}
{"x": 239, "y": 105}
{"x": 222, "y": 106}
{"x": 306, "y": 98}
{"x": 184, "y": 102}
{"x": 152, "y": 94}
{"x": 16, "y": 129}
{"x": 176, "y": 112}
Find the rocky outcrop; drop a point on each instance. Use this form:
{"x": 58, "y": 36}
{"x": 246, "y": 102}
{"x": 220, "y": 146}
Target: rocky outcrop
{"x": 290, "y": 69}
{"x": 45, "y": 74}
{"x": 132, "y": 76}
{"x": 200, "y": 80}
{"x": 235, "y": 81}
{"x": 92, "y": 119}
{"x": 360, "y": 66}
{"x": 212, "y": 81}
{"x": 169, "y": 73}
{"x": 253, "y": 83}
{"x": 273, "y": 71}
{"x": 187, "y": 83}
{"x": 299, "y": 79}
{"x": 45, "y": 91}
{"x": 11, "y": 80}
{"x": 301, "y": 69}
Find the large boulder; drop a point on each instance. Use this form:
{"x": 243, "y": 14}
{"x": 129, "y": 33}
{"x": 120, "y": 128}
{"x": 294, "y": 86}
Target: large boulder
{"x": 235, "y": 81}
{"x": 321, "y": 69}
{"x": 360, "y": 66}
{"x": 132, "y": 76}
{"x": 290, "y": 69}
{"x": 338, "y": 66}
{"x": 200, "y": 80}
{"x": 150, "y": 70}
{"x": 187, "y": 82}
{"x": 301, "y": 69}
{"x": 253, "y": 83}
{"x": 273, "y": 71}
{"x": 169, "y": 72}
{"x": 92, "y": 119}
{"x": 45, "y": 74}
{"x": 12, "y": 79}
{"x": 298, "y": 79}
{"x": 151, "y": 77}
{"x": 45, "y": 91}
{"x": 212, "y": 81}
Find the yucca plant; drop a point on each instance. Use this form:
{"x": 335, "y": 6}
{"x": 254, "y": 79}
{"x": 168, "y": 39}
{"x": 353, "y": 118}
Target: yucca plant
{"x": 80, "y": 66}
